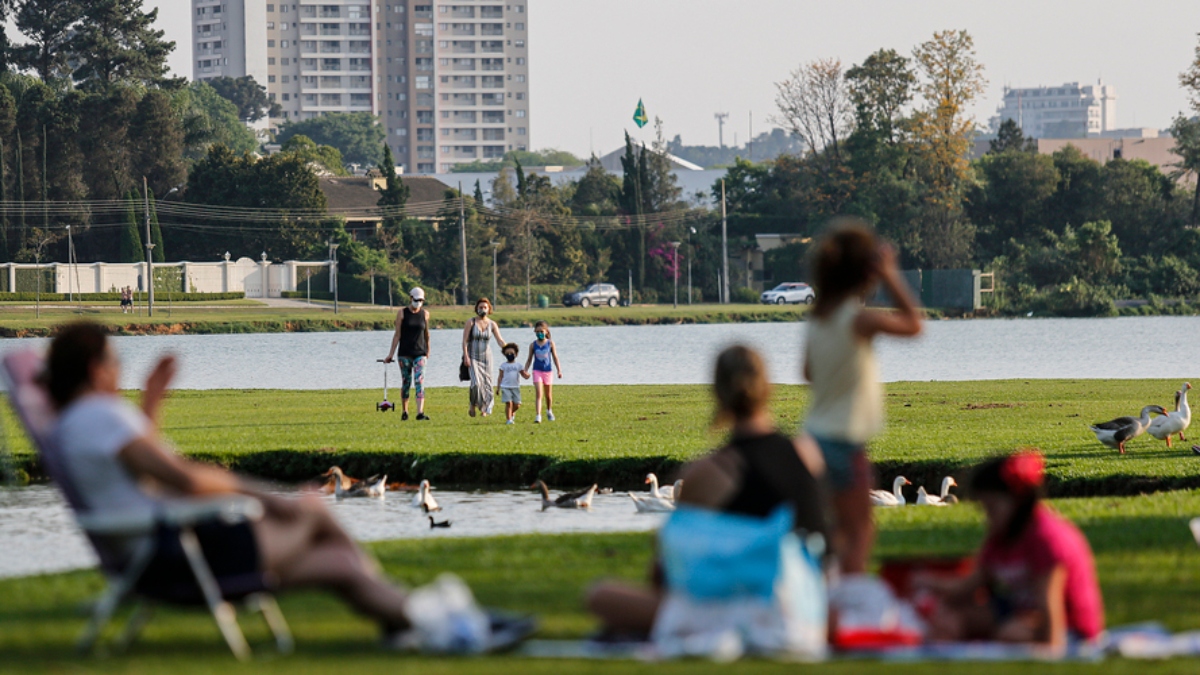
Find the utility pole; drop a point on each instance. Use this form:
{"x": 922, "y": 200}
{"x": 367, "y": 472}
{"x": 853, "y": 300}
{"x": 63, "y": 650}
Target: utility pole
{"x": 495, "y": 293}
{"x": 721, "y": 117}
{"x": 70, "y": 264}
{"x": 333, "y": 273}
{"x": 149, "y": 251}
{"x": 724, "y": 249}
{"x": 690, "y": 253}
{"x": 675, "y": 272}
{"x": 462, "y": 223}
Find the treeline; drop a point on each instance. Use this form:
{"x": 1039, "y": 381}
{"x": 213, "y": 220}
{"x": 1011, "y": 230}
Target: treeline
{"x": 888, "y": 140}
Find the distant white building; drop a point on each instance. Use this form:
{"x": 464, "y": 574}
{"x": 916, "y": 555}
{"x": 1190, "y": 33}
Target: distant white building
{"x": 1069, "y": 110}
{"x": 612, "y": 161}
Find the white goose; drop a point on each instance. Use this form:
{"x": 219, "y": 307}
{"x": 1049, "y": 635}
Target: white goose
{"x": 655, "y": 491}
{"x": 1116, "y": 433}
{"x": 1173, "y": 422}
{"x": 652, "y": 504}
{"x": 944, "y": 499}
{"x": 893, "y": 498}
{"x": 424, "y": 498}
{"x": 571, "y": 500}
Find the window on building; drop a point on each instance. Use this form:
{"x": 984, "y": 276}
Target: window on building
{"x": 270, "y": 25}
{"x": 423, "y": 82}
{"x": 270, "y": 44}
{"x": 270, "y": 78}
{"x": 287, "y": 97}
{"x": 520, "y": 60}
{"x": 270, "y": 60}
{"x": 286, "y": 79}
{"x": 520, "y": 94}
{"x": 518, "y": 43}
{"x": 270, "y": 8}
{"x": 520, "y": 113}
{"x": 520, "y": 78}
{"x": 520, "y": 26}
{"x": 287, "y": 61}
{"x": 284, "y": 44}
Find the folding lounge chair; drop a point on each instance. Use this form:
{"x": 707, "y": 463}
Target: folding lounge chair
{"x": 125, "y": 543}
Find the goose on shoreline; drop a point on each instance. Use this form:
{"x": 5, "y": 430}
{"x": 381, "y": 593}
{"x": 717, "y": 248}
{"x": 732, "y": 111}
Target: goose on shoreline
{"x": 571, "y": 500}
{"x": 1116, "y": 433}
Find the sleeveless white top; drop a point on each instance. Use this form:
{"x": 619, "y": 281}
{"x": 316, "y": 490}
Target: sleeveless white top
{"x": 847, "y": 399}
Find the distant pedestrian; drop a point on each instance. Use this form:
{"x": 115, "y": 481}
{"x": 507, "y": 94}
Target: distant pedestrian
{"x": 510, "y": 381}
{"x": 126, "y": 300}
{"x": 846, "y": 409}
{"x": 477, "y": 356}
{"x": 410, "y": 343}
{"x": 542, "y": 355}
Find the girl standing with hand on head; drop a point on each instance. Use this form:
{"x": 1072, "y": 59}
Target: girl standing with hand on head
{"x": 477, "y": 357}
{"x": 542, "y": 355}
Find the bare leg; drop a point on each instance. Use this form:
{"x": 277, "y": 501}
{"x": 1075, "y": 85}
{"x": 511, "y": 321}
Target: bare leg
{"x": 855, "y": 533}
{"x": 404, "y": 405}
{"x": 549, "y": 397}
{"x": 623, "y": 608}
{"x": 537, "y": 398}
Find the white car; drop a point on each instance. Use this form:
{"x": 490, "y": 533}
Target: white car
{"x": 794, "y": 293}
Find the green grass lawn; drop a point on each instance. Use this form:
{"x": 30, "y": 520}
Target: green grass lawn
{"x": 1149, "y": 570}
{"x": 251, "y": 316}
{"x": 616, "y": 434}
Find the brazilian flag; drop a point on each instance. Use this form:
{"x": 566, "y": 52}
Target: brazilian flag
{"x": 639, "y": 115}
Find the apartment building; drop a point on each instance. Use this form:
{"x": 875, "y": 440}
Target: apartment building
{"x": 1066, "y": 111}
{"x": 448, "y": 81}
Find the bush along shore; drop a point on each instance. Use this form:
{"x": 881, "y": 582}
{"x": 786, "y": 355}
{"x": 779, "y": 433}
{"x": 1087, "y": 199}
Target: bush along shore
{"x": 615, "y": 435}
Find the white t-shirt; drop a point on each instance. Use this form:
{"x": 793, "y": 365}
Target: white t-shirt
{"x": 846, "y": 397}
{"x": 90, "y": 433}
{"x": 510, "y": 375}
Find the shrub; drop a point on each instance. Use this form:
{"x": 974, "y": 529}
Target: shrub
{"x": 745, "y": 296}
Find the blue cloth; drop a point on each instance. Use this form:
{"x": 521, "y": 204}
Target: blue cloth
{"x": 839, "y": 461}
{"x": 541, "y": 357}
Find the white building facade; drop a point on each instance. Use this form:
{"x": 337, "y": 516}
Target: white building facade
{"x": 448, "y": 81}
{"x": 1069, "y": 110}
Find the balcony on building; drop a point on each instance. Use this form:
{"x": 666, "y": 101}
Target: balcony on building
{"x": 462, "y": 82}
{"x": 491, "y": 29}
{"x": 493, "y": 135}
{"x": 492, "y": 82}
{"x": 464, "y": 152}
{"x": 462, "y": 11}
{"x": 331, "y": 29}
{"x": 493, "y": 151}
{"x": 360, "y": 65}
{"x": 360, "y": 100}
{"x": 423, "y": 64}
{"x": 463, "y": 64}
{"x": 422, "y": 11}
{"x": 331, "y": 47}
{"x": 463, "y": 100}
{"x": 492, "y": 100}
{"x": 463, "y": 116}
{"x": 492, "y": 64}
{"x": 331, "y": 12}
{"x": 331, "y": 64}
{"x": 463, "y": 135}
{"x": 360, "y": 29}
{"x": 491, "y": 12}
{"x": 463, "y": 47}
{"x": 462, "y": 29}
{"x": 492, "y": 46}
{"x": 493, "y": 116}
{"x": 360, "y": 47}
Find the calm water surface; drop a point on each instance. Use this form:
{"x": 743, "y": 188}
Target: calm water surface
{"x": 39, "y": 536}
{"x": 949, "y": 350}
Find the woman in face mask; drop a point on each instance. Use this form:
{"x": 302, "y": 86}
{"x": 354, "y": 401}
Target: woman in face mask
{"x": 477, "y": 356}
{"x": 411, "y": 344}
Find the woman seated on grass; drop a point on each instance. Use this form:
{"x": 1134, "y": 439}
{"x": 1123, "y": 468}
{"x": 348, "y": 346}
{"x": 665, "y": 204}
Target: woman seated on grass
{"x": 118, "y": 462}
{"x": 1035, "y": 567}
{"x": 757, "y": 470}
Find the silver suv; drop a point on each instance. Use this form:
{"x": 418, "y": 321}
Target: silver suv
{"x": 791, "y": 292}
{"x": 593, "y": 295}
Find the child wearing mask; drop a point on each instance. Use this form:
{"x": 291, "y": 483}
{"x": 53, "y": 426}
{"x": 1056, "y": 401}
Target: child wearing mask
{"x": 510, "y": 381}
{"x": 542, "y": 355}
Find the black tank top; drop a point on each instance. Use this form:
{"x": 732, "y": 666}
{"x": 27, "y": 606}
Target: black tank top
{"x": 412, "y": 334}
{"x": 772, "y": 473}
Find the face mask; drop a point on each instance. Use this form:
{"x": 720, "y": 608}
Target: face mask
{"x": 481, "y": 311}
{"x": 416, "y": 304}
{"x": 540, "y": 336}
{"x": 511, "y": 357}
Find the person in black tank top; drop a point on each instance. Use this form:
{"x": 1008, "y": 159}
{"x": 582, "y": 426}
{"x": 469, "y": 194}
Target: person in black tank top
{"x": 410, "y": 344}
{"x": 757, "y": 471}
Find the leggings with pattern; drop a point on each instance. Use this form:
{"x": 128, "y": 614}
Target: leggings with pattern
{"x": 412, "y": 370}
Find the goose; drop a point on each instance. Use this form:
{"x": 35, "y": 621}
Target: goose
{"x": 375, "y": 486}
{"x": 893, "y": 498}
{"x": 433, "y": 523}
{"x": 1173, "y": 422}
{"x": 944, "y": 499}
{"x": 335, "y": 478}
{"x": 424, "y": 499}
{"x": 1116, "y": 433}
{"x": 655, "y": 491}
{"x": 651, "y": 504}
{"x": 571, "y": 500}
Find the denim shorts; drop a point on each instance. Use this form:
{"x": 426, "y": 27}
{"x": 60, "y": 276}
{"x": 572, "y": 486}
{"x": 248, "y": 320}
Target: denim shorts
{"x": 845, "y": 463}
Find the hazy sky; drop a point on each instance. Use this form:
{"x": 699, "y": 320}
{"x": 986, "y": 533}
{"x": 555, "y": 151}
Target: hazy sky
{"x": 590, "y": 60}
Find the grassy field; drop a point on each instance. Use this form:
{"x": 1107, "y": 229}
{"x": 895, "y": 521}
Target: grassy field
{"x": 1149, "y": 570}
{"x": 615, "y": 434}
{"x": 250, "y": 316}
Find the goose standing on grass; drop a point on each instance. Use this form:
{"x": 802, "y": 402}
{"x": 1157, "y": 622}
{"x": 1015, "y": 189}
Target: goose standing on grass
{"x": 655, "y": 491}
{"x": 1116, "y": 433}
{"x": 424, "y": 498}
{"x": 893, "y": 498}
{"x": 1175, "y": 422}
{"x": 571, "y": 500}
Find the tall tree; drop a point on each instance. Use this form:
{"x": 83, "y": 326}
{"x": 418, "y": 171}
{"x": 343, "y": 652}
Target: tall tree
{"x": 358, "y": 136}
{"x": 880, "y": 88}
{"x": 249, "y": 96}
{"x": 8, "y": 123}
{"x": 209, "y": 119}
{"x": 814, "y": 104}
{"x": 1010, "y": 137}
{"x": 393, "y": 197}
{"x": 157, "y": 136}
{"x": 1187, "y": 146}
{"x": 326, "y": 159}
{"x": 1190, "y": 80}
{"x": 116, "y": 41}
{"x": 130, "y": 246}
{"x": 104, "y": 139}
{"x": 48, "y": 27}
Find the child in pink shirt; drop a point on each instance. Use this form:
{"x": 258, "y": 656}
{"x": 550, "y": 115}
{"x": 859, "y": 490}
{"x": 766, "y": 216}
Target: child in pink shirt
{"x": 1035, "y": 566}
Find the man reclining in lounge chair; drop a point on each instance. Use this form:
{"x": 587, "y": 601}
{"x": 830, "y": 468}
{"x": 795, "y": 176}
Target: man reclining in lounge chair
{"x": 117, "y": 460}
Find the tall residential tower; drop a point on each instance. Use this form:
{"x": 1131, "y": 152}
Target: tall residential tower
{"x": 449, "y": 82}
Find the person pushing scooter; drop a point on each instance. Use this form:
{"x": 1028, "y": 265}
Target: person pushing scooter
{"x": 410, "y": 344}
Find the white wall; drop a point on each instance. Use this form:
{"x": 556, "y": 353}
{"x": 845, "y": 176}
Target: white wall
{"x": 241, "y": 275}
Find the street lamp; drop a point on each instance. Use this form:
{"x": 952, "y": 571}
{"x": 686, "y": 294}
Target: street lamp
{"x": 495, "y": 293}
{"x": 691, "y": 252}
{"x": 333, "y": 273}
{"x": 675, "y": 271}
{"x": 263, "y": 274}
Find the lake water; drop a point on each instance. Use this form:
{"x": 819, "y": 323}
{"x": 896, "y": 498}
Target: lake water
{"x": 1153, "y": 347}
{"x": 39, "y": 535}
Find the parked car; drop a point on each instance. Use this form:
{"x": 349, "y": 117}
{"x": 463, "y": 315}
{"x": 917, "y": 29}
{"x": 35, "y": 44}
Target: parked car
{"x": 593, "y": 294}
{"x": 791, "y": 292}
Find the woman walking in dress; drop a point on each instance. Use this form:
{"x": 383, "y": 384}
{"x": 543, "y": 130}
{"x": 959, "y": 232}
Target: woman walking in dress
{"x": 477, "y": 356}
